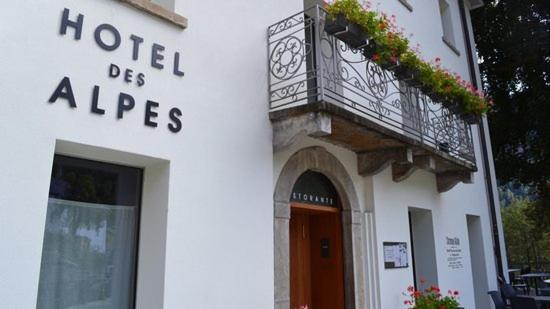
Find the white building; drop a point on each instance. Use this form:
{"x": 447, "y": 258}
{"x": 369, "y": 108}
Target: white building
{"x": 237, "y": 157}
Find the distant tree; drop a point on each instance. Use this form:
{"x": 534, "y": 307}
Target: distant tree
{"x": 526, "y": 244}
{"x": 513, "y": 42}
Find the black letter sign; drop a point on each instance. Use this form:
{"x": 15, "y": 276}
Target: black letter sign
{"x": 157, "y": 56}
{"x": 177, "y": 70}
{"x": 174, "y": 114}
{"x": 99, "y": 40}
{"x": 123, "y": 97}
{"x": 77, "y": 25}
{"x": 95, "y": 102}
{"x": 65, "y": 91}
{"x": 114, "y": 70}
{"x": 149, "y": 113}
{"x": 135, "y": 51}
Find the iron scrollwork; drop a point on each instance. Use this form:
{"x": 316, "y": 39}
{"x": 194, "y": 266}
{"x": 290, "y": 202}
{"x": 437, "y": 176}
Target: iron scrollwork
{"x": 305, "y": 61}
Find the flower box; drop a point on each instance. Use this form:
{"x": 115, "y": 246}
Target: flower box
{"x": 354, "y": 23}
{"x": 434, "y": 96}
{"x": 407, "y": 75}
{"x": 369, "y": 49}
{"x": 470, "y": 118}
{"x": 452, "y": 106}
{"x": 389, "y": 66}
{"x": 347, "y": 32}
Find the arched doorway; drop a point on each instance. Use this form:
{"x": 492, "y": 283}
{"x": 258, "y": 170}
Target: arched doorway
{"x": 316, "y": 255}
{"x": 319, "y": 160}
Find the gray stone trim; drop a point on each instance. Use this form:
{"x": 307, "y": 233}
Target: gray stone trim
{"x": 158, "y": 11}
{"x": 446, "y": 181}
{"x": 320, "y": 160}
{"x": 286, "y": 131}
{"x": 373, "y": 162}
{"x": 371, "y": 263}
{"x": 450, "y": 45}
{"x": 407, "y": 5}
{"x": 282, "y": 210}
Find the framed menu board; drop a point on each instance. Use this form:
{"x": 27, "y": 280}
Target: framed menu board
{"x": 395, "y": 255}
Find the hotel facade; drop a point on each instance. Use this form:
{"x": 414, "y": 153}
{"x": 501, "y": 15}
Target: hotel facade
{"x": 233, "y": 154}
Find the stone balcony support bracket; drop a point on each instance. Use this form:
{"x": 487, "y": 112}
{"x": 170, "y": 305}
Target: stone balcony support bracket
{"x": 402, "y": 171}
{"x": 373, "y": 162}
{"x": 285, "y": 131}
{"x": 447, "y": 180}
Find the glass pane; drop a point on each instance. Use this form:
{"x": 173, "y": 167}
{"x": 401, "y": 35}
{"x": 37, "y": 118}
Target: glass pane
{"x": 94, "y": 182}
{"x": 314, "y": 188}
{"x": 88, "y": 258}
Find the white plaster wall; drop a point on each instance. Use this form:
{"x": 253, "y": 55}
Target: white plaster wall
{"x": 391, "y": 200}
{"x": 424, "y": 23}
{"x": 449, "y": 217}
{"x": 391, "y": 203}
{"x": 219, "y": 233}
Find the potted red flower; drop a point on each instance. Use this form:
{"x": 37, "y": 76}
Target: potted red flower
{"x": 431, "y": 298}
{"x": 385, "y": 44}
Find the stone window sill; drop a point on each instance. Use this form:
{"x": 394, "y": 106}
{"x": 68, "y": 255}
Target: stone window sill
{"x": 450, "y": 45}
{"x": 407, "y": 5}
{"x": 158, "y": 11}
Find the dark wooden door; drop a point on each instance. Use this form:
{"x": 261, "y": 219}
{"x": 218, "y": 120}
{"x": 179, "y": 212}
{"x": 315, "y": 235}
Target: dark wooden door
{"x": 316, "y": 269}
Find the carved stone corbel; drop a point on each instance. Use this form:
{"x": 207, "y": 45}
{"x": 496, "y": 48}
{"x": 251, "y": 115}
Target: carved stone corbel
{"x": 447, "y": 180}
{"x": 373, "y": 162}
{"x": 402, "y": 171}
{"x": 286, "y": 131}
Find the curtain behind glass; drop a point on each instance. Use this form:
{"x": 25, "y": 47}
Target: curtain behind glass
{"x": 88, "y": 258}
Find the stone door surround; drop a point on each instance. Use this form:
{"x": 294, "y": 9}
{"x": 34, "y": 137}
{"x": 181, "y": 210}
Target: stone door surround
{"x": 319, "y": 160}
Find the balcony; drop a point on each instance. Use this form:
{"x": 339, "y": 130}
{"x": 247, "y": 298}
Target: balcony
{"x": 322, "y": 87}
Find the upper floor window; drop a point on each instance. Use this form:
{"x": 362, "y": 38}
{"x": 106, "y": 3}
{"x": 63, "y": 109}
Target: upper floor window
{"x": 447, "y": 24}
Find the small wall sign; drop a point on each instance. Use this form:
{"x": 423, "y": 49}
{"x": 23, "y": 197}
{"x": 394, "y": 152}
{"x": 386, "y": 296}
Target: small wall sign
{"x": 454, "y": 253}
{"x": 395, "y": 255}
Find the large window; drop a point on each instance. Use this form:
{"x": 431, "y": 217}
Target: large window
{"x": 90, "y": 240}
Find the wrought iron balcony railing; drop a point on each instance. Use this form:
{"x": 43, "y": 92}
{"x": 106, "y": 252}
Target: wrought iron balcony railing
{"x": 307, "y": 65}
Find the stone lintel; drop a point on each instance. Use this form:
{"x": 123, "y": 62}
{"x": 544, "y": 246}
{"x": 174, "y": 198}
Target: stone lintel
{"x": 286, "y": 131}
{"x": 447, "y": 180}
{"x": 373, "y": 162}
{"x": 158, "y": 11}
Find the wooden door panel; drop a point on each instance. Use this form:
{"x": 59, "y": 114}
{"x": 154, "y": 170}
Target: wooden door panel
{"x": 326, "y": 262}
{"x": 300, "y": 261}
{"x": 316, "y": 273}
